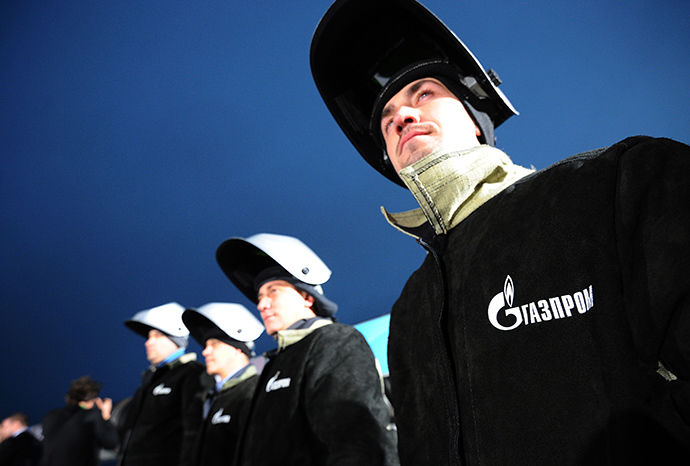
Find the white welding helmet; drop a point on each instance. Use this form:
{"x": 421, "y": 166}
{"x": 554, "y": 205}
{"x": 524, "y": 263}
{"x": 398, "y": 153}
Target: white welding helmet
{"x": 246, "y": 260}
{"x": 166, "y": 318}
{"x": 230, "y": 323}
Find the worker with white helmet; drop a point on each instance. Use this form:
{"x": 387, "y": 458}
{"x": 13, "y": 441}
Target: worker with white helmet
{"x": 227, "y": 332}
{"x": 164, "y": 415}
{"x": 320, "y": 396}
{"x": 499, "y": 352}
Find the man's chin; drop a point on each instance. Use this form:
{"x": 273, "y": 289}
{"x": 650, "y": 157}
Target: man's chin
{"x": 415, "y": 156}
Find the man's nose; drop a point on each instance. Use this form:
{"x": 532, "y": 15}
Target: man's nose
{"x": 263, "y": 304}
{"x": 405, "y": 116}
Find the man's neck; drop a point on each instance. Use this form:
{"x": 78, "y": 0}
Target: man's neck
{"x": 171, "y": 357}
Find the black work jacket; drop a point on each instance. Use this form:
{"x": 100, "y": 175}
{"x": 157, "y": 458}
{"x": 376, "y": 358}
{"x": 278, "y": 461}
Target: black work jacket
{"x": 228, "y": 410}
{"x": 319, "y": 401}
{"x": 554, "y": 320}
{"x": 164, "y": 416}
{"x": 74, "y": 436}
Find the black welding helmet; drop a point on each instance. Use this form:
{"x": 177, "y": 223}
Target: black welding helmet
{"x": 365, "y": 51}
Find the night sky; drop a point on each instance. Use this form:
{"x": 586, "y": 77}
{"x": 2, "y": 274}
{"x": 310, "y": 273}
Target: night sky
{"x": 136, "y": 136}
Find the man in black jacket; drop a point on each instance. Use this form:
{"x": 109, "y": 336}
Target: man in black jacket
{"x": 18, "y": 446}
{"x": 553, "y": 307}
{"x": 164, "y": 416}
{"x": 227, "y": 332}
{"x": 76, "y": 433}
{"x": 320, "y": 398}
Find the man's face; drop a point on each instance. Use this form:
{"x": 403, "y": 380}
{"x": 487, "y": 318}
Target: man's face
{"x": 158, "y": 347}
{"x": 422, "y": 118}
{"x": 8, "y": 427}
{"x": 5, "y": 428}
{"x": 281, "y": 305}
{"x": 221, "y": 358}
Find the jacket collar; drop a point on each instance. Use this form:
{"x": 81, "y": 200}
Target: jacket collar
{"x": 449, "y": 186}
{"x": 184, "y": 359}
{"x": 290, "y": 336}
{"x": 239, "y": 377}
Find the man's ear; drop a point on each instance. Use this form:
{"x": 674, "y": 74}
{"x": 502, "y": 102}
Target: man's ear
{"x": 308, "y": 298}
{"x": 477, "y": 131}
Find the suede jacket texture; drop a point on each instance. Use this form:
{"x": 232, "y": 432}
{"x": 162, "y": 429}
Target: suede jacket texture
{"x": 165, "y": 415}
{"x": 319, "y": 401}
{"x": 75, "y": 436}
{"x": 220, "y": 434}
{"x": 554, "y": 320}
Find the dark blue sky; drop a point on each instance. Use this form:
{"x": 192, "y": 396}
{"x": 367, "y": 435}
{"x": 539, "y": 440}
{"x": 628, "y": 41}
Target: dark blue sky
{"x": 136, "y": 136}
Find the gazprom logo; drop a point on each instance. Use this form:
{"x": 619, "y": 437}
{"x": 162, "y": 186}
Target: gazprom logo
{"x": 504, "y": 316}
{"x": 508, "y": 290}
{"x": 220, "y": 418}
{"x": 276, "y": 384}
{"x": 161, "y": 390}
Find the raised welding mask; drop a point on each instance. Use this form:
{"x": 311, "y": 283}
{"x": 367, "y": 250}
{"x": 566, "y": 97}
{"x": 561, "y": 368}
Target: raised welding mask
{"x": 365, "y": 51}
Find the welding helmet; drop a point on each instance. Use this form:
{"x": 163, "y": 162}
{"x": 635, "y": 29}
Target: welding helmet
{"x": 365, "y": 51}
{"x": 250, "y": 262}
{"x": 230, "y": 323}
{"x": 166, "y": 318}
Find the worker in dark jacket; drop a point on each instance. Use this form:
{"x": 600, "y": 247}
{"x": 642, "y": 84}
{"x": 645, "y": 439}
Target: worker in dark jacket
{"x": 320, "y": 398}
{"x": 18, "y": 445}
{"x": 164, "y": 416}
{"x": 227, "y": 332}
{"x": 553, "y": 308}
{"x": 75, "y": 434}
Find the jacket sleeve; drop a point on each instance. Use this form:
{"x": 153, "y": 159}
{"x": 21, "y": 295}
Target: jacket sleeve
{"x": 344, "y": 399}
{"x": 653, "y": 229}
{"x": 106, "y": 431}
